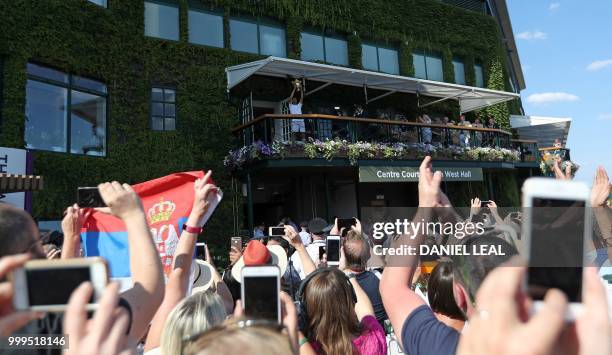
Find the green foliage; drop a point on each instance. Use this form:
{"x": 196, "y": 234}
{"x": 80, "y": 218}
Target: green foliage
{"x": 447, "y": 65}
{"x": 496, "y": 81}
{"x": 109, "y": 45}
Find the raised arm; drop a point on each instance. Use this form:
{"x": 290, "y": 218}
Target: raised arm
{"x": 495, "y": 212}
{"x": 363, "y": 307}
{"x": 148, "y": 291}
{"x": 295, "y": 241}
{"x": 399, "y": 300}
{"x": 603, "y": 215}
{"x": 178, "y": 280}
{"x": 219, "y": 285}
{"x": 71, "y": 227}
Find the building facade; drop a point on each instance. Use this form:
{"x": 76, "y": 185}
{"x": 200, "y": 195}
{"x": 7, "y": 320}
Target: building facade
{"x": 131, "y": 90}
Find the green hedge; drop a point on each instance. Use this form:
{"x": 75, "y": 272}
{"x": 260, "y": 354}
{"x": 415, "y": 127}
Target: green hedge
{"x": 82, "y": 38}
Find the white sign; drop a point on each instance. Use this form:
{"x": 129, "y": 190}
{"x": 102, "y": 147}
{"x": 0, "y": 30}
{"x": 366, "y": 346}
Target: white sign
{"x": 13, "y": 161}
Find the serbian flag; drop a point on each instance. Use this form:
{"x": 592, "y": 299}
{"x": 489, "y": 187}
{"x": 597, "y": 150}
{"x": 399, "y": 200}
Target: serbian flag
{"x": 167, "y": 202}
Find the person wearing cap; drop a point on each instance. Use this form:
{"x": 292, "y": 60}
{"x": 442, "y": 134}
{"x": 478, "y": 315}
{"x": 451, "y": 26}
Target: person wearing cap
{"x": 316, "y": 227}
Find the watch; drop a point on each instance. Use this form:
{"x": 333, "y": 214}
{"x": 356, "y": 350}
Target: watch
{"x": 350, "y": 275}
{"x": 194, "y": 230}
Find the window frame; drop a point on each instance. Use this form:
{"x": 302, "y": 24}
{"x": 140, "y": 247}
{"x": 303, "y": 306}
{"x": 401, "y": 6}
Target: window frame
{"x": 462, "y": 61}
{"x": 324, "y": 34}
{"x": 151, "y": 102}
{"x": 105, "y": 6}
{"x": 178, "y": 18}
{"x": 69, "y": 86}
{"x": 378, "y": 46}
{"x": 257, "y": 21}
{"x": 199, "y": 8}
{"x": 432, "y": 54}
{"x": 484, "y": 80}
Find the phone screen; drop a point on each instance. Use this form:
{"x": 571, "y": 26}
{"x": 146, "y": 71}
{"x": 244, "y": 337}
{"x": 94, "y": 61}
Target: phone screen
{"x": 261, "y": 297}
{"x": 321, "y": 251}
{"x": 277, "y": 231}
{"x": 346, "y": 223}
{"x": 333, "y": 250}
{"x": 54, "y": 286}
{"x": 237, "y": 242}
{"x": 89, "y": 197}
{"x": 201, "y": 251}
{"x": 556, "y": 247}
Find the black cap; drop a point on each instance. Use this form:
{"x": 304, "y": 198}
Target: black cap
{"x": 317, "y": 225}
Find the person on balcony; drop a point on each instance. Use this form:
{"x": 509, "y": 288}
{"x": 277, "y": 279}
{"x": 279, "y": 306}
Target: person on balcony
{"x": 478, "y": 134}
{"x": 557, "y": 143}
{"x": 464, "y": 136}
{"x": 425, "y": 131}
{"x": 492, "y": 125}
{"x": 298, "y": 127}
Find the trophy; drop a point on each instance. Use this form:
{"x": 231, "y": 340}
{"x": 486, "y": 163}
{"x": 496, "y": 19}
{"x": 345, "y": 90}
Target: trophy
{"x": 298, "y": 84}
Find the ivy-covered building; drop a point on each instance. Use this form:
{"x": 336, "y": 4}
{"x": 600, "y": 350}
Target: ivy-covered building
{"x": 130, "y": 90}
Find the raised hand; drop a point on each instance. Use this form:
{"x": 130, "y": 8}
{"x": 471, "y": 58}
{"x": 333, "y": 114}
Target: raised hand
{"x": 205, "y": 194}
{"x": 73, "y": 220}
{"x": 292, "y": 237}
{"x": 601, "y": 188}
{"x": 430, "y": 194}
{"x": 121, "y": 200}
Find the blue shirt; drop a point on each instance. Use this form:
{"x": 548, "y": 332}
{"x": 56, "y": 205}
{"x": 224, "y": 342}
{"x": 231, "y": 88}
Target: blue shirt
{"x": 423, "y": 333}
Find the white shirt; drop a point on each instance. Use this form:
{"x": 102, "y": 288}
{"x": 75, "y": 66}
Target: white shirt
{"x": 305, "y": 236}
{"x": 295, "y": 109}
{"x": 313, "y": 251}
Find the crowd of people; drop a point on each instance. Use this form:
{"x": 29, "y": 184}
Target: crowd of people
{"x": 411, "y": 304}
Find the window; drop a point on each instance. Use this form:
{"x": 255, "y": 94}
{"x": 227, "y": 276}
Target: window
{"x": 161, "y": 20}
{"x": 427, "y": 66}
{"x": 325, "y": 49}
{"x": 64, "y": 113}
{"x": 459, "y": 69}
{"x": 99, "y": 2}
{"x": 163, "y": 109}
{"x": 379, "y": 59}
{"x": 479, "y": 75}
{"x": 205, "y": 28}
{"x": 252, "y": 37}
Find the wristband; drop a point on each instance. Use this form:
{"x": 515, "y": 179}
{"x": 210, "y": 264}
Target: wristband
{"x": 194, "y": 230}
{"x": 303, "y": 341}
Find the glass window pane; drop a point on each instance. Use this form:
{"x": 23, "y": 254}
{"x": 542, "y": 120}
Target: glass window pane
{"x": 157, "y": 94}
{"x": 336, "y": 51}
{"x": 419, "y": 66}
{"x": 272, "y": 41}
{"x": 88, "y": 84}
{"x": 312, "y": 47}
{"x": 157, "y": 109}
{"x": 169, "y": 110}
{"x": 157, "y": 123}
{"x": 369, "y": 57}
{"x": 99, "y": 2}
{"x": 388, "y": 60}
{"x": 169, "y": 95}
{"x": 48, "y": 73}
{"x": 205, "y": 28}
{"x": 243, "y": 36}
{"x": 88, "y": 124}
{"x": 434, "y": 68}
{"x": 45, "y": 126}
{"x": 479, "y": 75}
{"x": 170, "y": 124}
{"x": 459, "y": 72}
{"x": 161, "y": 21}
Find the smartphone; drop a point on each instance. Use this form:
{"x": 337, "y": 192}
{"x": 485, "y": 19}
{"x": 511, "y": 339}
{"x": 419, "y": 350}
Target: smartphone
{"x": 236, "y": 243}
{"x": 46, "y": 285}
{"x": 260, "y": 289}
{"x": 276, "y": 231}
{"x": 346, "y": 223}
{"x": 201, "y": 251}
{"x": 332, "y": 247}
{"x": 321, "y": 251}
{"x": 89, "y": 197}
{"x": 556, "y": 225}
{"x": 485, "y": 203}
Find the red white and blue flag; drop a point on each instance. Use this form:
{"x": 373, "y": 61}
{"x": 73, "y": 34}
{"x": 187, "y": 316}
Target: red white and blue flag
{"x": 167, "y": 202}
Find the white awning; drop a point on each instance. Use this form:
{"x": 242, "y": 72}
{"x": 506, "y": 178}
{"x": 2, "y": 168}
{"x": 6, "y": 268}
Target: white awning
{"x": 542, "y": 129}
{"x": 470, "y": 98}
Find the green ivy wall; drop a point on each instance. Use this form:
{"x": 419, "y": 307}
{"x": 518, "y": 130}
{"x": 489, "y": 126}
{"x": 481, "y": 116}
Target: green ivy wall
{"x": 108, "y": 44}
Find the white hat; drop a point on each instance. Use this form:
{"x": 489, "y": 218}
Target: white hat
{"x": 278, "y": 257}
{"x": 202, "y": 273}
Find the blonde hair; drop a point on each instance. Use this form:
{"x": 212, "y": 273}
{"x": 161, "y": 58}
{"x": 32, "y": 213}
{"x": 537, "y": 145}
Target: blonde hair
{"x": 193, "y": 315}
{"x": 231, "y": 338}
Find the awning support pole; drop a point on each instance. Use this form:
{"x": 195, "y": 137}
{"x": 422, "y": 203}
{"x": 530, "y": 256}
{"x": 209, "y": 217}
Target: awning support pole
{"x": 381, "y": 96}
{"x": 317, "y": 89}
{"x": 365, "y": 93}
{"x": 442, "y": 99}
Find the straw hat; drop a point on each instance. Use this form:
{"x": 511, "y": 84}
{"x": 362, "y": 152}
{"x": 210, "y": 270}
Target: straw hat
{"x": 257, "y": 254}
{"x": 202, "y": 273}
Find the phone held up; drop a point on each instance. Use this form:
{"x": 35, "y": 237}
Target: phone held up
{"x": 276, "y": 231}
{"x": 556, "y": 225}
{"x": 332, "y": 248}
{"x": 46, "y": 285}
{"x": 260, "y": 289}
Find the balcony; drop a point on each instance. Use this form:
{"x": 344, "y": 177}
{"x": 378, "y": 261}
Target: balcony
{"x": 354, "y": 139}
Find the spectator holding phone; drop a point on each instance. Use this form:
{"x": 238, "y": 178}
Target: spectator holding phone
{"x": 316, "y": 227}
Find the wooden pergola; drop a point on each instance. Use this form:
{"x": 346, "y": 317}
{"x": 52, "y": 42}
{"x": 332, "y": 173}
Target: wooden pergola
{"x": 20, "y": 183}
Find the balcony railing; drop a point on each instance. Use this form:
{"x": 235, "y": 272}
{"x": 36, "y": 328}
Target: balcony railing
{"x": 272, "y": 129}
